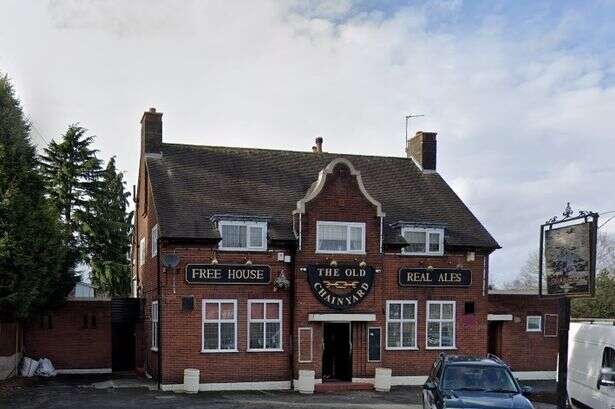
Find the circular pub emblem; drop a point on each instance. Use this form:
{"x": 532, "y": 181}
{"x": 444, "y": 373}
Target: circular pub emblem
{"x": 342, "y": 286}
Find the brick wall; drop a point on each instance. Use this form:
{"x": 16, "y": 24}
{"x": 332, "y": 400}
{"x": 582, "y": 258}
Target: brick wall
{"x": 523, "y": 350}
{"x": 68, "y": 344}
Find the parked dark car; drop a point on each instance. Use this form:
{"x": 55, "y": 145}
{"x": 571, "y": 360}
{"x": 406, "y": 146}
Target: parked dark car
{"x": 471, "y": 382}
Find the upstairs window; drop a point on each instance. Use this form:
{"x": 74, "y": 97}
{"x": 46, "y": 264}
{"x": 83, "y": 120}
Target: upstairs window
{"x": 340, "y": 237}
{"x": 243, "y": 235}
{"x": 154, "y": 241}
{"x": 142, "y": 251}
{"x": 423, "y": 241}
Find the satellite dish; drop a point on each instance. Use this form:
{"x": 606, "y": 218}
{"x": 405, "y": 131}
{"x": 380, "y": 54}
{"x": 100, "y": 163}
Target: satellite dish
{"x": 170, "y": 260}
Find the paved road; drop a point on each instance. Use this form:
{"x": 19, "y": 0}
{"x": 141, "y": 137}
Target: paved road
{"x": 74, "y": 393}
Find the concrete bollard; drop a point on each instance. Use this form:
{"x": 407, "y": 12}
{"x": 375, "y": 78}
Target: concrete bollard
{"x": 191, "y": 380}
{"x": 382, "y": 382}
{"x": 305, "y": 384}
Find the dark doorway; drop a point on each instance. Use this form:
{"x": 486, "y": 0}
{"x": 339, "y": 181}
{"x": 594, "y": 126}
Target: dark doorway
{"x": 124, "y": 315}
{"x": 337, "y": 352}
{"x": 494, "y": 337}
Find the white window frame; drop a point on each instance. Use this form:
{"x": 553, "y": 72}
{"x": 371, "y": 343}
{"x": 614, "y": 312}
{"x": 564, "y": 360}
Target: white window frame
{"x": 248, "y": 224}
{"x": 266, "y": 320}
{"x": 299, "y": 344}
{"x": 427, "y": 232}
{"x": 527, "y": 323}
{"x": 154, "y": 240}
{"x": 544, "y": 326}
{"x": 219, "y": 321}
{"x": 441, "y": 320}
{"x": 379, "y": 341}
{"x": 401, "y": 320}
{"x": 154, "y": 319}
{"x": 348, "y": 225}
{"x": 142, "y": 249}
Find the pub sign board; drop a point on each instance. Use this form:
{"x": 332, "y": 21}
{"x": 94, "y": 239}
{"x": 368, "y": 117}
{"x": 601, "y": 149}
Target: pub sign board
{"x": 569, "y": 264}
{"x": 342, "y": 286}
{"x": 227, "y": 274}
{"x": 434, "y": 277}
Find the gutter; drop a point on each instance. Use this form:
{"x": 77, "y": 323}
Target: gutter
{"x": 159, "y": 315}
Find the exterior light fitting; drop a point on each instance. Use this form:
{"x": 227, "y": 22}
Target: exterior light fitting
{"x": 249, "y": 262}
{"x": 333, "y": 263}
{"x": 363, "y": 264}
{"x": 214, "y": 261}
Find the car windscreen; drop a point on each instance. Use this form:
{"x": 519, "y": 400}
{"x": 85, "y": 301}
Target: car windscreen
{"x": 479, "y": 378}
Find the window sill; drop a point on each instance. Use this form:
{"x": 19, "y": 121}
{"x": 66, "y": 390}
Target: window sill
{"x": 153, "y": 349}
{"x": 341, "y": 252}
{"x": 242, "y": 250}
{"x": 265, "y": 350}
{"x": 401, "y": 348}
{"x": 534, "y": 330}
{"x": 218, "y": 351}
{"x": 422, "y": 254}
{"x": 442, "y": 348}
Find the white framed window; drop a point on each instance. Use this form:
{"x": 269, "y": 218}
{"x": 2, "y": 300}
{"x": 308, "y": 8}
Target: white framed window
{"x": 440, "y": 325}
{"x": 374, "y": 342}
{"x": 154, "y": 240}
{"x": 142, "y": 251}
{"x": 533, "y": 323}
{"x": 243, "y": 235}
{"x": 304, "y": 342}
{"x": 401, "y": 325}
{"x": 423, "y": 241}
{"x": 340, "y": 237}
{"x": 219, "y": 326}
{"x": 154, "y": 337}
{"x": 264, "y": 325}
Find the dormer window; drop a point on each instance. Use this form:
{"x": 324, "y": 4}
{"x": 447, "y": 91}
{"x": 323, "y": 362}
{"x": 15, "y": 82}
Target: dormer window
{"x": 243, "y": 235}
{"x": 423, "y": 241}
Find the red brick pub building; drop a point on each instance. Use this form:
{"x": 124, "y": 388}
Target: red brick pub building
{"x": 335, "y": 263}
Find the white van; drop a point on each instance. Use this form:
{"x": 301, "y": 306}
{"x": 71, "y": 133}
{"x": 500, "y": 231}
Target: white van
{"x": 591, "y": 365}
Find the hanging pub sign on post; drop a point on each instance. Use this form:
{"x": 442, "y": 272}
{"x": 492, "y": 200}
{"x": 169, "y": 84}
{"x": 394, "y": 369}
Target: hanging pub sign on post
{"x": 568, "y": 255}
{"x": 567, "y": 258}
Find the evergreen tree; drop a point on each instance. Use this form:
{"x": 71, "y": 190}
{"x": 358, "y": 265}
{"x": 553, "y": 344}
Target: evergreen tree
{"x": 72, "y": 173}
{"x": 108, "y": 234}
{"x": 33, "y": 273}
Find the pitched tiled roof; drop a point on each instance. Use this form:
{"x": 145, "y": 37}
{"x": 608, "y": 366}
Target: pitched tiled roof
{"x": 192, "y": 183}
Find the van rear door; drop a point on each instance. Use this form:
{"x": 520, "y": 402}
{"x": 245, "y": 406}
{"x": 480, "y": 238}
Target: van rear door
{"x": 607, "y": 393}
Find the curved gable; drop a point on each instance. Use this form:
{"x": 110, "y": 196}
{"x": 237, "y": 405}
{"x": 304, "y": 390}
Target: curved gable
{"x": 317, "y": 187}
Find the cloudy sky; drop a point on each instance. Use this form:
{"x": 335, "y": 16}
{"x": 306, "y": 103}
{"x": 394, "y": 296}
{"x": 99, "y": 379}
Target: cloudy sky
{"x": 522, "y": 94}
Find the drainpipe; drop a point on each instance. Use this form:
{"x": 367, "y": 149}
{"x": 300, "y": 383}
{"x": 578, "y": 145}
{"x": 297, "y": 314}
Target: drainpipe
{"x": 291, "y": 314}
{"x": 159, "y": 315}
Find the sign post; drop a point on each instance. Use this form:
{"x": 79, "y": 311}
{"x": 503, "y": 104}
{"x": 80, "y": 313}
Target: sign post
{"x": 567, "y": 258}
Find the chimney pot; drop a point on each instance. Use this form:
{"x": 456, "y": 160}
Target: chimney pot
{"x": 422, "y": 149}
{"x": 151, "y": 132}
{"x": 318, "y": 144}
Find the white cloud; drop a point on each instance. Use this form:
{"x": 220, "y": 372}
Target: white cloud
{"x": 524, "y": 120}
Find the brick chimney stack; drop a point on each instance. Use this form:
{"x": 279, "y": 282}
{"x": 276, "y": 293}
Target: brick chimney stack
{"x": 319, "y": 144}
{"x": 422, "y": 149}
{"x": 151, "y": 132}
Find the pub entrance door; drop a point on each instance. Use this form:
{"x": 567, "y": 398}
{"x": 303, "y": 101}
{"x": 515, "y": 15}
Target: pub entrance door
{"x": 494, "y": 338}
{"x": 337, "y": 352}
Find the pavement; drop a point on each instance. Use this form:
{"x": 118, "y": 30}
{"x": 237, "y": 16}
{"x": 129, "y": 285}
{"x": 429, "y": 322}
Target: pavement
{"x": 132, "y": 393}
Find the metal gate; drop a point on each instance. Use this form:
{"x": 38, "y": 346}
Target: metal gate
{"x": 124, "y": 316}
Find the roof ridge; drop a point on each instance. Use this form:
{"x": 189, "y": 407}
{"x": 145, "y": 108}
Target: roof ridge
{"x": 279, "y": 150}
